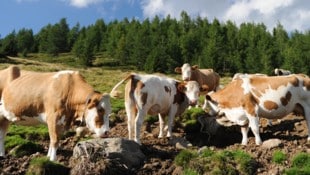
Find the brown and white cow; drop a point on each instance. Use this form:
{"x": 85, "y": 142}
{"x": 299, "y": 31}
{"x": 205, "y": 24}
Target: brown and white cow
{"x": 280, "y": 72}
{"x": 6, "y": 76}
{"x": 206, "y": 78}
{"x": 246, "y": 99}
{"x": 153, "y": 94}
{"x": 57, "y": 99}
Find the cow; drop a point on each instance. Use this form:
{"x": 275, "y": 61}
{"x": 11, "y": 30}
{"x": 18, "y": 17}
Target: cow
{"x": 246, "y": 99}
{"x": 154, "y": 94}
{"x": 244, "y": 75}
{"x": 206, "y": 78}
{"x": 56, "y": 98}
{"x": 280, "y": 72}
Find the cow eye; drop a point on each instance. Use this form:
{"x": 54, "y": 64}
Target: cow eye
{"x": 100, "y": 109}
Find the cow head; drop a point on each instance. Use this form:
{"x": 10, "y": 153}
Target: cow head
{"x": 213, "y": 105}
{"x": 191, "y": 89}
{"x": 186, "y": 71}
{"x": 98, "y": 109}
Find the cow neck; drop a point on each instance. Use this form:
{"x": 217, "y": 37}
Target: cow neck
{"x": 88, "y": 98}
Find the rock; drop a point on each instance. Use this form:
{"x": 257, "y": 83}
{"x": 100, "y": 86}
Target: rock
{"x": 106, "y": 156}
{"x": 180, "y": 143}
{"x": 272, "y": 143}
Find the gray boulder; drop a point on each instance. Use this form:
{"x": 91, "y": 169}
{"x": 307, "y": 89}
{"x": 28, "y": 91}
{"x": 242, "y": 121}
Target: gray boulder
{"x": 106, "y": 156}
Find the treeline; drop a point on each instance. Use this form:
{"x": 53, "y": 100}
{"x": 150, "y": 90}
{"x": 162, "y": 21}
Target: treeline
{"x": 159, "y": 45}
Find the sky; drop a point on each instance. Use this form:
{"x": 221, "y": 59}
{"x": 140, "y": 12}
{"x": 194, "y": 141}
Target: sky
{"x": 36, "y": 14}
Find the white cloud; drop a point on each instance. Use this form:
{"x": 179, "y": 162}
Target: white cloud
{"x": 83, "y": 3}
{"x": 292, "y": 14}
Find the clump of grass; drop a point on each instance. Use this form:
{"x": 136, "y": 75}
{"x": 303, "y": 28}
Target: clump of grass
{"x": 150, "y": 119}
{"x": 191, "y": 114}
{"x": 300, "y": 165}
{"x": 184, "y": 157}
{"x": 278, "y": 157}
{"x": 20, "y": 147}
{"x": 39, "y": 132}
{"x": 211, "y": 162}
{"x": 42, "y": 165}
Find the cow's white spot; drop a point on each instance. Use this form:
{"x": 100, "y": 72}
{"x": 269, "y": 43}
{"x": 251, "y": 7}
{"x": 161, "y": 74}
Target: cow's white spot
{"x": 58, "y": 74}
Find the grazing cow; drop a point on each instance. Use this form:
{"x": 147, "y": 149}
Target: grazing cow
{"x": 152, "y": 94}
{"x": 206, "y": 78}
{"x": 246, "y": 99}
{"x": 57, "y": 99}
{"x": 280, "y": 72}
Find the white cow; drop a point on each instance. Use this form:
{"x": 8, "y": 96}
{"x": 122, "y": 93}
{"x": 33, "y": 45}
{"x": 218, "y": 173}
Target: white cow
{"x": 244, "y": 100}
{"x": 152, "y": 94}
{"x": 57, "y": 99}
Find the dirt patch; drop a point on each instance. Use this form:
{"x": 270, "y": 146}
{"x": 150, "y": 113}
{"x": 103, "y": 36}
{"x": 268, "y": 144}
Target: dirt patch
{"x": 160, "y": 153}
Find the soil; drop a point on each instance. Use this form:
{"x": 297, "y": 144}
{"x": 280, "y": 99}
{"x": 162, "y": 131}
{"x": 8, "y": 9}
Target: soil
{"x": 160, "y": 153}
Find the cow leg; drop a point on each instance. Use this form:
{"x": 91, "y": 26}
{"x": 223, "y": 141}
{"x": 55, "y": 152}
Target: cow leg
{"x": 307, "y": 116}
{"x": 54, "y": 139}
{"x": 254, "y": 125}
{"x": 131, "y": 114}
{"x": 4, "y": 124}
{"x": 172, "y": 113}
{"x": 244, "y": 132}
{"x": 161, "y": 126}
{"x": 138, "y": 123}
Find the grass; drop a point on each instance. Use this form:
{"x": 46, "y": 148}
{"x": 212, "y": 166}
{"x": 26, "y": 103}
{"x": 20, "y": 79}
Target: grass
{"x": 43, "y": 165}
{"x": 216, "y": 162}
{"x": 300, "y": 165}
{"x": 20, "y": 139}
{"x": 278, "y": 157}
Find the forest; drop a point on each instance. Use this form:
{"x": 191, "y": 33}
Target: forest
{"x": 161, "y": 44}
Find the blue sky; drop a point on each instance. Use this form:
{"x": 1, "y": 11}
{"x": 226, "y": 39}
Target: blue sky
{"x": 35, "y": 14}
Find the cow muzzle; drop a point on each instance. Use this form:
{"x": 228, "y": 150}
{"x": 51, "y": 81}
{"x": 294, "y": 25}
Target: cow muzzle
{"x": 105, "y": 134}
{"x": 192, "y": 102}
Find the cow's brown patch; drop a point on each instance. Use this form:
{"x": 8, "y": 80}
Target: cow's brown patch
{"x": 230, "y": 96}
{"x": 249, "y": 104}
{"x": 263, "y": 83}
{"x": 286, "y": 99}
{"x": 307, "y": 83}
{"x": 270, "y": 105}
{"x": 179, "y": 96}
{"x": 99, "y": 119}
{"x": 144, "y": 98}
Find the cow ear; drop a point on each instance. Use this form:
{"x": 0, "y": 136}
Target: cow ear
{"x": 194, "y": 67}
{"x": 178, "y": 70}
{"x": 208, "y": 97}
{"x": 181, "y": 87}
{"x": 204, "y": 88}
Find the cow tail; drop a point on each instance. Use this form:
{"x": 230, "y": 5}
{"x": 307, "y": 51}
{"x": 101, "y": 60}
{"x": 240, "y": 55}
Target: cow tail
{"x": 116, "y": 94}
